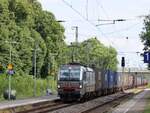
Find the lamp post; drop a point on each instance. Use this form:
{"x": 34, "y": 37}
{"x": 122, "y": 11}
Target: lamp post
{"x": 35, "y": 66}
{"x": 50, "y": 69}
{"x": 34, "y": 61}
{"x": 34, "y": 94}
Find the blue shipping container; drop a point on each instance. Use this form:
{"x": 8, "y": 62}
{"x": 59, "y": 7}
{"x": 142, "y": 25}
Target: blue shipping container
{"x": 105, "y": 79}
{"x": 111, "y": 81}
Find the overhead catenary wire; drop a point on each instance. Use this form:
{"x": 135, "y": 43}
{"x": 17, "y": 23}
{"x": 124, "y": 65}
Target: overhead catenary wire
{"x": 130, "y": 52}
{"x": 92, "y": 24}
{"x": 80, "y": 14}
{"x": 101, "y": 6}
{"x": 121, "y": 30}
{"x": 85, "y": 19}
{"x": 107, "y": 18}
{"x": 77, "y": 12}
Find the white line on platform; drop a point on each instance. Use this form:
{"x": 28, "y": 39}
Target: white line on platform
{"x": 124, "y": 108}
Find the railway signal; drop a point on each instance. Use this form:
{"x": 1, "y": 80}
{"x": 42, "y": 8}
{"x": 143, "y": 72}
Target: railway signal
{"x": 123, "y": 65}
{"x": 123, "y": 62}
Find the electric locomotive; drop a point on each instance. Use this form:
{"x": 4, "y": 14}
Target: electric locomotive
{"x": 75, "y": 81}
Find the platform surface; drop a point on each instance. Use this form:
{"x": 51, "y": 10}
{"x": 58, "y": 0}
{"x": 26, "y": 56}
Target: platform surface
{"x": 17, "y": 103}
{"x": 136, "y": 105}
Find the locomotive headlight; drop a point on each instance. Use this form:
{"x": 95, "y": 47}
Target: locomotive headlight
{"x": 80, "y": 86}
{"x": 58, "y": 86}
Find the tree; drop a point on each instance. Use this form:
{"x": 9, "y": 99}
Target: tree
{"x": 145, "y": 35}
{"x": 93, "y": 52}
{"x": 25, "y": 22}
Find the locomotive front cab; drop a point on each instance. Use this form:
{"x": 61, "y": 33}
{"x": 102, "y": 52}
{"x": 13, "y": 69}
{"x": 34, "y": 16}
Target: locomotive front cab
{"x": 70, "y": 82}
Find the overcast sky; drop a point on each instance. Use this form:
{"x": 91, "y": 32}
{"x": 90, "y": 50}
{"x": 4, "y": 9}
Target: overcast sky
{"x": 112, "y": 34}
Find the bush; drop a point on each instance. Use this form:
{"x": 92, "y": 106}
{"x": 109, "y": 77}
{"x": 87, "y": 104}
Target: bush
{"x": 24, "y": 85}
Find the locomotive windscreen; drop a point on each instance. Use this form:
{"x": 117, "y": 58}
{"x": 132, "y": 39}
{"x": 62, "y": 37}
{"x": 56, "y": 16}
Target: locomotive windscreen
{"x": 69, "y": 73}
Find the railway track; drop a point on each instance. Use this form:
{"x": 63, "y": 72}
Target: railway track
{"x": 46, "y": 107}
{"x": 102, "y": 104}
{"x": 108, "y": 105}
{"x": 58, "y": 106}
{"x": 98, "y": 105}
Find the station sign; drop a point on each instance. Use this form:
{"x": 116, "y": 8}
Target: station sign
{"x": 146, "y": 57}
{"x": 10, "y": 66}
{"x": 10, "y": 72}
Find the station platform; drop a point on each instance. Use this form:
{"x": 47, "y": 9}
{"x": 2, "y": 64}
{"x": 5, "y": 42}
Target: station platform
{"x": 23, "y": 102}
{"x": 136, "y": 105}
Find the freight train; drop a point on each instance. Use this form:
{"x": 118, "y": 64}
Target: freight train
{"x": 77, "y": 82}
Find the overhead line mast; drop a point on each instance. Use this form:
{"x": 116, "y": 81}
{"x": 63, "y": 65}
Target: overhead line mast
{"x": 76, "y": 41}
{"x": 87, "y": 9}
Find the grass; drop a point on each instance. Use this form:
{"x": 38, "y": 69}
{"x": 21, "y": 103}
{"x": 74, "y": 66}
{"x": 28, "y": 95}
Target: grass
{"x": 24, "y": 85}
{"x": 147, "y": 108}
{"x": 148, "y": 86}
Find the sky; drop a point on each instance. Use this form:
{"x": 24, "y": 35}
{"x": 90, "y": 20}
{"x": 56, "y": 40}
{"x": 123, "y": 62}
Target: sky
{"x": 123, "y": 36}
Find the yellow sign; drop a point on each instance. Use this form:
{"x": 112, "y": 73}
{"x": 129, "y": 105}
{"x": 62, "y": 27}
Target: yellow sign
{"x": 10, "y": 66}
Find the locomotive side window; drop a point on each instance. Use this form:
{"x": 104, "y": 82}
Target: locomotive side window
{"x": 89, "y": 76}
{"x": 84, "y": 76}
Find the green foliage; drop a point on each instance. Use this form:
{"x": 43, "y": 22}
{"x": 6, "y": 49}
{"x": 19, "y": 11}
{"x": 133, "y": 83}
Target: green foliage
{"x": 145, "y": 34}
{"x": 24, "y": 22}
{"x": 37, "y": 31}
{"x": 92, "y": 52}
{"x": 24, "y": 85}
{"x": 28, "y": 31}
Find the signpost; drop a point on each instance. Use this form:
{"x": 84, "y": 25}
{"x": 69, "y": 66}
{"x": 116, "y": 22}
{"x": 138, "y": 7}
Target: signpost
{"x": 10, "y": 73}
{"x": 10, "y": 66}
